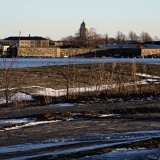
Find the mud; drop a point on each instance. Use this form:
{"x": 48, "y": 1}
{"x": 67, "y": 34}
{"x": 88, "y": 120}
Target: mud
{"x": 146, "y": 116}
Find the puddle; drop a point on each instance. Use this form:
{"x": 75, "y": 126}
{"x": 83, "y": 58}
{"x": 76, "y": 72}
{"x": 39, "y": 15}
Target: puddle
{"x": 127, "y": 154}
{"x": 13, "y": 121}
{"x": 7, "y": 122}
{"x": 75, "y": 145}
{"x": 31, "y": 146}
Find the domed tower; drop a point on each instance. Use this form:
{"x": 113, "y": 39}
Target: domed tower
{"x": 83, "y": 30}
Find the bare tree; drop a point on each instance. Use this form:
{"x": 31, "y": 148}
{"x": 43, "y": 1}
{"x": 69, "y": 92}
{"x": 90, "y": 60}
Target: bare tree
{"x": 68, "y": 73}
{"x": 145, "y": 37}
{"x": 77, "y": 34}
{"x": 80, "y": 41}
{"x": 68, "y": 41}
{"x": 92, "y": 36}
{"x": 156, "y": 38}
{"x": 106, "y": 38}
{"x": 63, "y": 39}
{"x": 120, "y": 37}
{"x": 11, "y": 79}
{"x": 91, "y": 40}
{"x": 112, "y": 40}
{"x": 133, "y": 37}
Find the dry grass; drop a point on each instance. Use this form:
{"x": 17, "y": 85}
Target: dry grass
{"x": 85, "y": 75}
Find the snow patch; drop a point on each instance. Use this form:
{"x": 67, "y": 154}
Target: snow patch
{"x": 63, "y": 104}
{"x": 17, "y": 97}
{"x": 146, "y": 75}
{"x": 31, "y": 124}
{"x": 15, "y": 121}
{"x": 109, "y": 115}
{"x": 62, "y": 92}
{"x": 21, "y": 96}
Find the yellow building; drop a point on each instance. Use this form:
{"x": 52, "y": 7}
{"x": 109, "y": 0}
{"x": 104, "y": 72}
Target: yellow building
{"x": 5, "y": 47}
{"x": 27, "y": 41}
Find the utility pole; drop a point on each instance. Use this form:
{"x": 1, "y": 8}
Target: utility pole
{"x": 19, "y": 39}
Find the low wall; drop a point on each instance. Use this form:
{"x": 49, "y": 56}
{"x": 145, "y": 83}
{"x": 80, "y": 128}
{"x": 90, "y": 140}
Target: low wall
{"x": 77, "y": 51}
{"x": 146, "y": 52}
{"x": 38, "y": 52}
{"x": 53, "y": 52}
{"x": 86, "y": 52}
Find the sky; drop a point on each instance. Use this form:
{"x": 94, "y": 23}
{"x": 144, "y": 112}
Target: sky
{"x": 60, "y": 18}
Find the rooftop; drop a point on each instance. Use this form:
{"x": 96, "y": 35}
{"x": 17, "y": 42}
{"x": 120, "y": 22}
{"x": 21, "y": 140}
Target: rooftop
{"x": 83, "y": 25}
{"x": 114, "y": 46}
{"x": 25, "y": 38}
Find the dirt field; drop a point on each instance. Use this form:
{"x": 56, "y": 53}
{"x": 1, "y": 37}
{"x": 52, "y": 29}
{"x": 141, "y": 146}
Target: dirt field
{"x": 79, "y": 75}
{"x": 83, "y": 75}
{"x": 134, "y": 116}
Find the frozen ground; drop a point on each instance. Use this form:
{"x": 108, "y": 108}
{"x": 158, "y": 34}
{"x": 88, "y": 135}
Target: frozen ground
{"x": 56, "y": 93}
{"x": 17, "y": 123}
{"x": 80, "y": 138}
{"x": 26, "y": 137}
{"x": 84, "y": 146}
{"x": 128, "y": 154}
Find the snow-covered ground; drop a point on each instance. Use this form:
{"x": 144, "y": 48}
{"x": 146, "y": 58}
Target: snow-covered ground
{"x": 19, "y": 96}
{"x": 147, "y": 75}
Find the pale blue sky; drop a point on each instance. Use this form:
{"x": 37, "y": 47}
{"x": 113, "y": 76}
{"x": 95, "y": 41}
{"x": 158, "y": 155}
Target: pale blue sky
{"x": 61, "y": 18}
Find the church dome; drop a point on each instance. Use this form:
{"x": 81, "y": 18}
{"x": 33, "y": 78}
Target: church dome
{"x": 83, "y": 25}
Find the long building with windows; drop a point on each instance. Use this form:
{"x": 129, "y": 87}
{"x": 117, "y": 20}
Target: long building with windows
{"x": 27, "y": 41}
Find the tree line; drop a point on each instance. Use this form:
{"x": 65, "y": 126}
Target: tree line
{"x": 93, "y": 39}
